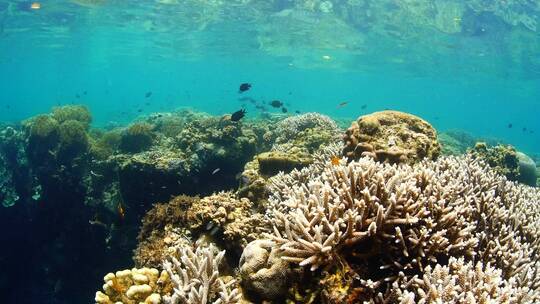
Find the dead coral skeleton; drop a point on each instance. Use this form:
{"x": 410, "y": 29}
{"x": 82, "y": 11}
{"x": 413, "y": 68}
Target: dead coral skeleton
{"x": 196, "y": 279}
{"x": 410, "y": 217}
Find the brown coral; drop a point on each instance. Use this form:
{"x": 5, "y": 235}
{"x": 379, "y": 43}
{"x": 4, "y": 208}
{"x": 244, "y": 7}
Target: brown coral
{"x": 391, "y": 136}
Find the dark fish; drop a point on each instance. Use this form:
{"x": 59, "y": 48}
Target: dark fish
{"x": 244, "y": 87}
{"x": 297, "y": 112}
{"x": 363, "y": 107}
{"x": 85, "y": 92}
{"x": 284, "y": 110}
{"x": 509, "y": 126}
{"x": 236, "y": 116}
{"x": 148, "y": 94}
{"x": 524, "y": 129}
{"x": 139, "y": 110}
{"x": 342, "y": 104}
{"x": 276, "y": 103}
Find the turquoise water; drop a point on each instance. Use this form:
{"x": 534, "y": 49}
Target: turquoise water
{"x": 466, "y": 70}
{"x": 470, "y": 66}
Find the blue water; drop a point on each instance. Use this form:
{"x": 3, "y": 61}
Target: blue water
{"x": 117, "y": 51}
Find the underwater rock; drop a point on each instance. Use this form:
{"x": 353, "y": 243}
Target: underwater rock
{"x": 391, "y": 136}
{"x": 263, "y": 272}
{"x": 527, "y": 169}
{"x": 270, "y": 163}
{"x": 135, "y": 286}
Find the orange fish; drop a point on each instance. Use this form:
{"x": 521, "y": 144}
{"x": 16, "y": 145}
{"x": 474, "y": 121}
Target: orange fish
{"x": 335, "y": 160}
{"x": 35, "y": 5}
{"x": 121, "y": 211}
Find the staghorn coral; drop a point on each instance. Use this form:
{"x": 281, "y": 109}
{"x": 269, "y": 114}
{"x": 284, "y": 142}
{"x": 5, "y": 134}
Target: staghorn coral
{"x": 134, "y": 286}
{"x": 391, "y": 136}
{"x": 459, "y": 282}
{"x": 196, "y": 279}
{"x": 389, "y": 223}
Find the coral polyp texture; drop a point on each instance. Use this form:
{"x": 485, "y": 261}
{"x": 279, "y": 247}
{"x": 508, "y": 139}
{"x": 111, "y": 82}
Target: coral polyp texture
{"x": 393, "y": 225}
{"x": 134, "y": 286}
{"x": 196, "y": 278}
{"x": 391, "y": 136}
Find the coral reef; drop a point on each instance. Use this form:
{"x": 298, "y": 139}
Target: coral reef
{"x": 295, "y": 141}
{"x": 196, "y": 278}
{"x": 230, "y": 222}
{"x": 391, "y": 136}
{"x": 134, "y": 286}
{"x": 263, "y": 272}
{"x": 460, "y": 282}
{"x": 502, "y": 158}
{"x": 392, "y": 225}
{"x": 137, "y": 138}
{"x": 78, "y": 113}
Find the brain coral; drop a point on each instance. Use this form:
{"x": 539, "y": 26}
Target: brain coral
{"x": 391, "y": 136}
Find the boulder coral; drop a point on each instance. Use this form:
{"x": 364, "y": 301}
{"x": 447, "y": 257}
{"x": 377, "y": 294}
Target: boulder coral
{"x": 391, "y": 136}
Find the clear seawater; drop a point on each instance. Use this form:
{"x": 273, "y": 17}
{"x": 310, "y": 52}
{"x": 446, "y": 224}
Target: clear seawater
{"x": 455, "y": 64}
{"x": 470, "y": 65}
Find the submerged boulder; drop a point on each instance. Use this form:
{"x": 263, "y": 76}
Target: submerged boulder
{"x": 527, "y": 169}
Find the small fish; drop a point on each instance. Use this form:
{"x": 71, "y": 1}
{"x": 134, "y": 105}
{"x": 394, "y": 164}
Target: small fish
{"x": 335, "y": 160}
{"x": 77, "y": 95}
{"x": 363, "y": 107}
{"x": 85, "y": 92}
{"x": 139, "y": 110}
{"x": 215, "y": 171}
{"x": 148, "y": 94}
{"x": 524, "y": 129}
{"x": 236, "y": 116}
{"x": 244, "y": 87}
{"x": 249, "y": 99}
{"x": 121, "y": 211}
{"x": 95, "y": 174}
{"x": 35, "y": 5}
{"x": 342, "y": 104}
{"x": 284, "y": 110}
{"x": 297, "y": 112}
{"x": 509, "y": 126}
{"x": 276, "y": 103}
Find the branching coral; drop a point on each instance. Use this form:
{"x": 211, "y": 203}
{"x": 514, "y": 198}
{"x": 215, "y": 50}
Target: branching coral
{"x": 391, "y": 222}
{"x": 196, "y": 279}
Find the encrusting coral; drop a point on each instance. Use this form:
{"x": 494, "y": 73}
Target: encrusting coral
{"x": 134, "y": 286}
{"x": 391, "y": 136}
{"x": 196, "y": 278}
{"x": 390, "y": 223}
